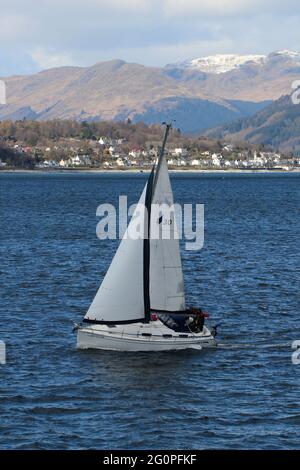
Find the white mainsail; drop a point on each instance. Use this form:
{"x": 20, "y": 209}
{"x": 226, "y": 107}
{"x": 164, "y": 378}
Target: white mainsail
{"x": 166, "y": 278}
{"x": 144, "y": 275}
{"x": 120, "y": 297}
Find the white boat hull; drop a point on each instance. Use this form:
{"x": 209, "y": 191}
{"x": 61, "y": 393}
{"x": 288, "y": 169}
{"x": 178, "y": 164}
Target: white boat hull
{"x": 133, "y": 338}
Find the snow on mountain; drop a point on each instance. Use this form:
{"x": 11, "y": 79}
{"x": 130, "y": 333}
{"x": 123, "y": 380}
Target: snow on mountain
{"x": 222, "y": 63}
{"x": 286, "y": 54}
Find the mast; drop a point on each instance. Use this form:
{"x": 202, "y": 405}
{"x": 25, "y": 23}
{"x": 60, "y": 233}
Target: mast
{"x": 162, "y": 151}
{"x": 146, "y": 247}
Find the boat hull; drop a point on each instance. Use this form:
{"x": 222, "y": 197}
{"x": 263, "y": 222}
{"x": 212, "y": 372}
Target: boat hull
{"x": 89, "y": 338}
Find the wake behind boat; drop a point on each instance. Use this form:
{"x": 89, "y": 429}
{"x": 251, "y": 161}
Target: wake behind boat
{"x": 140, "y": 305}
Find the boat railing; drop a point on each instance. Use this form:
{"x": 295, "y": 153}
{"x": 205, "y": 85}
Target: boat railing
{"x": 139, "y": 333}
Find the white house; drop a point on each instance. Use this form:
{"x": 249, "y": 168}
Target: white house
{"x": 228, "y": 147}
{"x": 102, "y": 141}
{"x": 47, "y": 164}
{"x": 216, "y": 160}
{"x": 75, "y": 161}
{"x": 179, "y": 152}
{"x": 135, "y": 153}
{"x": 79, "y": 160}
{"x": 258, "y": 160}
{"x": 112, "y": 150}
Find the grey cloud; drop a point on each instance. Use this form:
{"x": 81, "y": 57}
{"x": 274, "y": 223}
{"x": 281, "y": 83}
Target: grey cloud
{"x": 147, "y": 31}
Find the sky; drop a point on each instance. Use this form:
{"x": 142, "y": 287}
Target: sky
{"x": 40, "y": 34}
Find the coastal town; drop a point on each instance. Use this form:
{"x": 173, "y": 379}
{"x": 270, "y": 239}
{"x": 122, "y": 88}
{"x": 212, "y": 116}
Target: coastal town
{"x": 138, "y": 150}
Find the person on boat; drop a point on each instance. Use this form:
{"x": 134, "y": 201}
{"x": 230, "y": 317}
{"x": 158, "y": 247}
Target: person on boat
{"x": 196, "y": 320}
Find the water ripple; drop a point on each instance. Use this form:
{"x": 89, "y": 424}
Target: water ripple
{"x": 244, "y": 394}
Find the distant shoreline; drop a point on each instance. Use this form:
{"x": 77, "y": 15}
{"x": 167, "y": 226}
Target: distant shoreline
{"x": 136, "y": 170}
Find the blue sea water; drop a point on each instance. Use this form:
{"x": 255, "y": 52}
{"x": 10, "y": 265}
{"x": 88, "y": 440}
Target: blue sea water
{"x": 243, "y": 395}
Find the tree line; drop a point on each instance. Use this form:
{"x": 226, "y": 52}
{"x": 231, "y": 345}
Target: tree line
{"x": 32, "y": 132}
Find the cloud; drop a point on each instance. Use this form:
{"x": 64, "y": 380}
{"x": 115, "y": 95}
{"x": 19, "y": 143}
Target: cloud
{"x": 14, "y": 27}
{"x": 49, "y": 33}
{"x": 209, "y": 7}
{"x": 226, "y": 8}
{"x": 124, "y": 5}
{"x": 171, "y": 53}
{"x": 47, "y": 59}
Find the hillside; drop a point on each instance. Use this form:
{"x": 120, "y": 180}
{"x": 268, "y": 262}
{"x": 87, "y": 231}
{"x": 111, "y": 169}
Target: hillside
{"x": 28, "y": 142}
{"x": 62, "y": 144}
{"x": 197, "y": 96}
{"x": 277, "y": 125}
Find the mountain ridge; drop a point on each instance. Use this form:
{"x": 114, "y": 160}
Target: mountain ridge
{"x": 120, "y": 90}
{"x": 223, "y": 63}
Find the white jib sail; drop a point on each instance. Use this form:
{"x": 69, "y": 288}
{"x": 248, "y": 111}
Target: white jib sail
{"x": 121, "y": 294}
{"x": 166, "y": 278}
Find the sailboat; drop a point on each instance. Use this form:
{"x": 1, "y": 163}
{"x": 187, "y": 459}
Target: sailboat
{"x": 140, "y": 305}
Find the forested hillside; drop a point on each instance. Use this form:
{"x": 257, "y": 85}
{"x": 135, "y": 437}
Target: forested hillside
{"x": 277, "y": 125}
